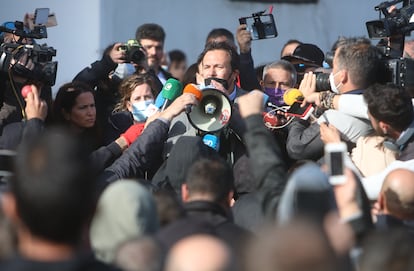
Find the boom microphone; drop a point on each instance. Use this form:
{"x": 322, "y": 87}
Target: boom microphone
{"x": 292, "y": 95}
{"x": 170, "y": 91}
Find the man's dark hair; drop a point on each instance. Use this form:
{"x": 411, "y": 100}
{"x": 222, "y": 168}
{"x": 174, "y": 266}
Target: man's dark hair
{"x": 390, "y": 104}
{"x": 361, "y": 59}
{"x": 213, "y": 177}
{"x": 53, "y": 187}
{"x": 219, "y": 32}
{"x": 235, "y": 58}
{"x": 176, "y": 56}
{"x": 151, "y": 32}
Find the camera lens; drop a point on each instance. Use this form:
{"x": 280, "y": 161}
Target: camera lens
{"x": 322, "y": 82}
{"x": 136, "y": 55}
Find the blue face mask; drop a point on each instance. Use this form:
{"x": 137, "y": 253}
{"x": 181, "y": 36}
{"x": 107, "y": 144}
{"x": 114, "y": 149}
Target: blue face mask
{"x": 140, "y": 110}
{"x": 275, "y": 96}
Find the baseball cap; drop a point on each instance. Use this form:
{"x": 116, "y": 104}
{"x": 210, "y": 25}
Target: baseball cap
{"x": 8, "y": 25}
{"x": 307, "y": 52}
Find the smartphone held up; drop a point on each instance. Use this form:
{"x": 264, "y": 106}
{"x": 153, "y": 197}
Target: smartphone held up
{"x": 261, "y": 24}
{"x": 335, "y": 161}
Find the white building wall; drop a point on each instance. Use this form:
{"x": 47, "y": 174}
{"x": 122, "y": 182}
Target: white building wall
{"x": 86, "y": 27}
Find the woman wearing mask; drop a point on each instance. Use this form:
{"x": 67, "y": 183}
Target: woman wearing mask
{"x": 135, "y": 106}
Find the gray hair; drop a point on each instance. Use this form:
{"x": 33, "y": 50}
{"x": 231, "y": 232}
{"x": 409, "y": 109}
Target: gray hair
{"x": 284, "y": 65}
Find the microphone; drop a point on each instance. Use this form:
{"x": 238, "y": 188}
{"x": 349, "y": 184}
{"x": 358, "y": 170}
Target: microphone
{"x": 292, "y": 95}
{"x": 212, "y": 141}
{"x": 170, "y": 91}
{"x": 193, "y": 89}
{"x": 159, "y": 101}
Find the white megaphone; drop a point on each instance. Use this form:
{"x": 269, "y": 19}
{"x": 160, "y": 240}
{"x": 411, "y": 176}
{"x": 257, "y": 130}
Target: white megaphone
{"x": 212, "y": 113}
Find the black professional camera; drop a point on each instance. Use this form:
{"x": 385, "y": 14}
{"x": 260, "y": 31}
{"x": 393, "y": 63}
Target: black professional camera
{"x": 322, "y": 81}
{"x": 133, "y": 52}
{"x": 395, "y": 23}
{"x": 14, "y": 56}
{"x": 392, "y": 29}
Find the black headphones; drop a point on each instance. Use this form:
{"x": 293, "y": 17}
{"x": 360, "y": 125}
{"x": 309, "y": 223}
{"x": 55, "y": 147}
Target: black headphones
{"x": 399, "y": 144}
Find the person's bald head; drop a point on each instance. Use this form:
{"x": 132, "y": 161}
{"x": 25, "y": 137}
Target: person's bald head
{"x": 199, "y": 253}
{"x": 397, "y": 194}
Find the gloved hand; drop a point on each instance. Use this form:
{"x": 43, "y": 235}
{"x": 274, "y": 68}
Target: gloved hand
{"x": 133, "y": 132}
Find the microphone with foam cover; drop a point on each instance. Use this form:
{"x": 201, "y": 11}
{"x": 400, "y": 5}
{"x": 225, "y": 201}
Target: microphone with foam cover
{"x": 292, "y": 95}
{"x": 170, "y": 91}
{"x": 159, "y": 101}
{"x": 212, "y": 141}
{"x": 193, "y": 89}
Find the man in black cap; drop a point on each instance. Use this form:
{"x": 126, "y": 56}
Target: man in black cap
{"x": 306, "y": 57}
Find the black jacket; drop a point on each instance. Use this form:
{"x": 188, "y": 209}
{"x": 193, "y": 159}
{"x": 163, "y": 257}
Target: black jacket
{"x": 269, "y": 173}
{"x": 221, "y": 220}
{"x": 143, "y": 155}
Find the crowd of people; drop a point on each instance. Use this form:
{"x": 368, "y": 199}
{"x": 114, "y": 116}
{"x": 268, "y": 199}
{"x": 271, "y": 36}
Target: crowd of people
{"x": 103, "y": 178}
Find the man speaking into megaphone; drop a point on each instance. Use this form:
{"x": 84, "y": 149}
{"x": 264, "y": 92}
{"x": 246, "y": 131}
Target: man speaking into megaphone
{"x": 218, "y": 68}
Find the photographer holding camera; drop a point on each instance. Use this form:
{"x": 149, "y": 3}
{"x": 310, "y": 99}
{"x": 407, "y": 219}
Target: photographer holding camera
{"x": 355, "y": 67}
{"x": 22, "y": 62}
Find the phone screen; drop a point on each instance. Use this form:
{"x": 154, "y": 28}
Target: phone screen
{"x": 296, "y": 110}
{"x": 336, "y": 163}
{"x": 261, "y": 27}
{"x": 335, "y": 160}
{"x": 41, "y": 16}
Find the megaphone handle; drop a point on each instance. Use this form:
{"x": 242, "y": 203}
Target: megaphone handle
{"x": 188, "y": 108}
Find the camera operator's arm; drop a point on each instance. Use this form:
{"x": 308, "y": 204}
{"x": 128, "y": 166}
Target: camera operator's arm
{"x": 248, "y": 79}
{"x": 100, "y": 70}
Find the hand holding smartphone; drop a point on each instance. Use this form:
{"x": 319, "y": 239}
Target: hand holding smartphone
{"x": 335, "y": 160}
{"x": 297, "y": 110}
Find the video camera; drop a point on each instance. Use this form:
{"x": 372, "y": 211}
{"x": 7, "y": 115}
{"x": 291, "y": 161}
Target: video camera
{"x": 392, "y": 30}
{"x": 15, "y": 55}
{"x": 395, "y": 22}
{"x": 133, "y": 52}
{"x": 261, "y": 25}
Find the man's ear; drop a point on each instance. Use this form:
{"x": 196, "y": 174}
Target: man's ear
{"x": 184, "y": 193}
{"x": 8, "y": 204}
{"x": 261, "y": 83}
{"x": 235, "y": 73}
{"x": 344, "y": 76}
{"x": 384, "y": 127}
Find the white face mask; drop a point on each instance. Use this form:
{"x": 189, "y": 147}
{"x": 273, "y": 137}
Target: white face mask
{"x": 334, "y": 88}
{"x": 124, "y": 69}
{"x": 142, "y": 110}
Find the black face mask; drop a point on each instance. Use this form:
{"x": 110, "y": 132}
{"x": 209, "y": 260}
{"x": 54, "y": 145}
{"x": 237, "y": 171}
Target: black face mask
{"x": 223, "y": 82}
